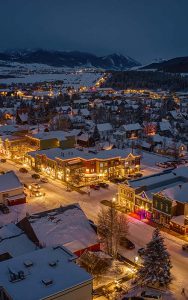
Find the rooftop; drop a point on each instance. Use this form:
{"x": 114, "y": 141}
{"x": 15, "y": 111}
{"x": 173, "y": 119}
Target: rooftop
{"x": 9, "y": 181}
{"x": 14, "y": 241}
{"x": 58, "y": 134}
{"x": 67, "y": 226}
{"x": 84, "y": 154}
{"x": 45, "y": 272}
{"x": 178, "y": 192}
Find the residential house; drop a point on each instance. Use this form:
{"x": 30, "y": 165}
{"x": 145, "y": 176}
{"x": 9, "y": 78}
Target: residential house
{"x": 11, "y": 189}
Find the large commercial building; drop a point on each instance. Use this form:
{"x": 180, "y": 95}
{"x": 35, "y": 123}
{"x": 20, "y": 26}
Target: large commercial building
{"x": 85, "y": 165}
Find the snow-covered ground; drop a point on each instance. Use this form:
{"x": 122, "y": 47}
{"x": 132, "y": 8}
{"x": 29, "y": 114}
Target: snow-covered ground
{"x": 31, "y": 73}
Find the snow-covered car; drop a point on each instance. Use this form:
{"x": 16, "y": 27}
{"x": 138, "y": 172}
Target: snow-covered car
{"x": 35, "y": 186}
{"x": 44, "y": 180}
{"x": 150, "y": 295}
{"x": 185, "y": 247}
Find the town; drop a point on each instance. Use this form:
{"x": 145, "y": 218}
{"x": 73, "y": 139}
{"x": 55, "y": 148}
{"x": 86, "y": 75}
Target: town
{"x": 69, "y": 151}
{"x": 94, "y": 150}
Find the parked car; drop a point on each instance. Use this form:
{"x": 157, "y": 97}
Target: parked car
{"x": 23, "y": 170}
{"x": 104, "y": 185}
{"x": 4, "y": 208}
{"x": 185, "y": 247}
{"x": 126, "y": 243}
{"x": 27, "y": 186}
{"x": 141, "y": 251}
{"x": 37, "y": 193}
{"x": 35, "y": 186}
{"x": 2, "y": 172}
{"x": 151, "y": 295}
{"x": 95, "y": 187}
{"x": 3, "y": 160}
{"x": 35, "y": 176}
{"x": 44, "y": 180}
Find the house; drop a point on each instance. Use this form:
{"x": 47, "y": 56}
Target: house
{"x": 85, "y": 140}
{"x": 48, "y": 273}
{"x": 105, "y": 130}
{"x": 67, "y": 226}
{"x": 11, "y": 189}
{"x": 165, "y": 128}
{"x": 14, "y": 242}
{"x": 170, "y": 207}
{"x": 132, "y": 131}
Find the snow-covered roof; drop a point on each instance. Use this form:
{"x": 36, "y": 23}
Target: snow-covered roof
{"x": 58, "y": 134}
{"x": 23, "y": 117}
{"x": 165, "y": 126}
{"x": 130, "y": 127}
{"x": 9, "y": 181}
{"x": 104, "y": 127}
{"x": 160, "y": 181}
{"x": 64, "y": 275}
{"x": 67, "y": 226}
{"x": 178, "y": 192}
{"x": 84, "y": 154}
{"x": 14, "y": 241}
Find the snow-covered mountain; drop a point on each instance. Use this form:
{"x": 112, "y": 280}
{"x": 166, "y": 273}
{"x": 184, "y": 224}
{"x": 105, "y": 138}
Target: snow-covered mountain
{"x": 174, "y": 65}
{"x": 69, "y": 59}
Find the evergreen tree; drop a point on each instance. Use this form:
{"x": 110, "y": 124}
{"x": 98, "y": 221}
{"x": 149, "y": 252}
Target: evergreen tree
{"x": 156, "y": 265}
{"x": 96, "y": 134}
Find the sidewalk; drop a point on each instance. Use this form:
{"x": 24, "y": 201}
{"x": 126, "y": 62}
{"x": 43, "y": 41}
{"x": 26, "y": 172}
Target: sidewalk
{"x": 162, "y": 228}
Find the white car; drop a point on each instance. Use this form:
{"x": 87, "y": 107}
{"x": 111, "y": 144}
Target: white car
{"x": 44, "y": 180}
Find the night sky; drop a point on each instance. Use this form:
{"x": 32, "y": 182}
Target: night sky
{"x": 142, "y": 29}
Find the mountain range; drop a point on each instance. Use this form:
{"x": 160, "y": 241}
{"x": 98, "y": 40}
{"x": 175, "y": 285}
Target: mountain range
{"x": 69, "y": 59}
{"x": 174, "y": 65}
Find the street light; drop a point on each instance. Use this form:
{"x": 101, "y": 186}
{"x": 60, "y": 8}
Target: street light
{"x": 136, "y": 259}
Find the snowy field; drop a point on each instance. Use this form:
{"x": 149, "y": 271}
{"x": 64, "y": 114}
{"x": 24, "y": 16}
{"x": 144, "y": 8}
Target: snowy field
{"x": 31, "y": 73}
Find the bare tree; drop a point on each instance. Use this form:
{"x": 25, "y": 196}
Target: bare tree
{"x": 112, "y": 225}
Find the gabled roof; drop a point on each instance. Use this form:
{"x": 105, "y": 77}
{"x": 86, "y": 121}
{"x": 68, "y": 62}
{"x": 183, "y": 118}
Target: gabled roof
{"x": 67, "y": 226}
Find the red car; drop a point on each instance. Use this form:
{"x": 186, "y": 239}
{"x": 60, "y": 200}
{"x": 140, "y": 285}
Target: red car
{"x": 95, "y": 187}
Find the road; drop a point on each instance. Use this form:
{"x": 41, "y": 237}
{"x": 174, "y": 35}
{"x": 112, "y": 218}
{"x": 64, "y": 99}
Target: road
{"x": 56, "y": 195}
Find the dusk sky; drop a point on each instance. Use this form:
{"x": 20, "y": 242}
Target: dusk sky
{"x": 142, "y": 29}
